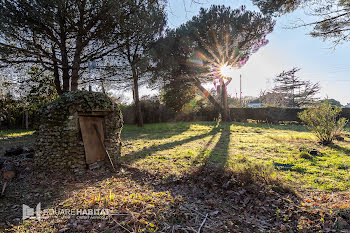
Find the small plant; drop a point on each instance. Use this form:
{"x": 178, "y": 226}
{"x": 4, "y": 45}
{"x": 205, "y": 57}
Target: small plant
{"x": 252, "y": 172}
{"x": 322, "y": 121}
{"x": 98, "y": 198}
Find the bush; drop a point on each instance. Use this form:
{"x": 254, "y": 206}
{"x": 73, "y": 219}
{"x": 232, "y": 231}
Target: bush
{"x": 322, "y": 121}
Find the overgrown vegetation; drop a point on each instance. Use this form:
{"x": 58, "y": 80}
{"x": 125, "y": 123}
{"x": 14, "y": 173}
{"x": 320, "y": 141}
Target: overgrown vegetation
{"x": 323, "y": 121}
{"x": 173, "y": 174}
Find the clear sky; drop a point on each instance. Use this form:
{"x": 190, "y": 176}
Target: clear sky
{"x": 288, "y": 48}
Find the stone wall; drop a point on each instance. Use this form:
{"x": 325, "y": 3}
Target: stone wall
{"x": 59, "y": 143}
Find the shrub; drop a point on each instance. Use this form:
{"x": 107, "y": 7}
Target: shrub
{"x": 322, "y": 121}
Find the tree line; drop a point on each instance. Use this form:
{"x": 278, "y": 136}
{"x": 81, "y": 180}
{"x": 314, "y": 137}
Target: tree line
{"x": 133, "y": 46}
{"x": 130, "y": 42}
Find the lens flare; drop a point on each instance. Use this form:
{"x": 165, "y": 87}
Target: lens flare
{"x": 226, "y": 71}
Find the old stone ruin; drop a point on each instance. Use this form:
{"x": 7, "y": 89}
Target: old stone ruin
{"x": 79, "y": 130}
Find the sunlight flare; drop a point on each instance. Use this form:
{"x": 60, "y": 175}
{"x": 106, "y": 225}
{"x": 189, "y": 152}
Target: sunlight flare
{"x": 226, "y": 71}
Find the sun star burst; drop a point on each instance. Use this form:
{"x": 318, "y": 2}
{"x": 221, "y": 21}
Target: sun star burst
{"x": 226, "y": 71}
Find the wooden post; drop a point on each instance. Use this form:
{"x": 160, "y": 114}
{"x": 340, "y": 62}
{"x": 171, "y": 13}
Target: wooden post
{"x": 103, "y": 146}
{"x": 224, "y": 100}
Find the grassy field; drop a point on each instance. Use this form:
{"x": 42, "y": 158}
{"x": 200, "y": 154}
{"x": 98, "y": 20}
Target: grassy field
{"x": 174, "y": 149}
{"x": 176, "y": 176}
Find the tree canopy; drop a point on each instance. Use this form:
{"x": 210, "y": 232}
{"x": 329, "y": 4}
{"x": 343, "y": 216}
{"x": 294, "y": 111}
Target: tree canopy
{"x": 193, "y": 53}
{"x": 332, "y": 102}
{"x": 61, "y": 35}
{"x": 333, "y": 21}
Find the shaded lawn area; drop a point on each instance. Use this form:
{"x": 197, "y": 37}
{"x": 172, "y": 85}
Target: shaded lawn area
{"x": 173, "y": 176}
{"x": 13, "y": 138}
{"x": 172, "y": 149}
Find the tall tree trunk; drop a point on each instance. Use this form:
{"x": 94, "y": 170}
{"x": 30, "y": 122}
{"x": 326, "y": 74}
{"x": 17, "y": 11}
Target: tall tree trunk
{"x": 57, "y": 80}
{"x": 56, "y": 73}
{"x": 136, "y": 99}
{"x": 78, "y": 49}
{"x": 75, "y": 74}
{"x": 65, "y": 72}
{"x": 27, "y": 119}
{"x": 103, "y": 86}
{"x": 226, "y": 115}
{"x": 209, "y": 96}
{"x": 64, "y": 53}
{"x": 75, "y": 78}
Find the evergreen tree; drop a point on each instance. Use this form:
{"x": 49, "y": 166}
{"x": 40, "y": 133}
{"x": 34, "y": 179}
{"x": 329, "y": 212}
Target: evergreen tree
{"x": 296, "y": 91}
{"x": 194, "y": 52}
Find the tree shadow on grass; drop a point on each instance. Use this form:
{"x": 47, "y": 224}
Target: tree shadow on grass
{"x": 156, "y": 148}
{"x": 342, "y": 149}
{"x": 290, "y": 127}
{"x": 206, "y": 191}
{"x": 219, "y": 154}
{"x": 201, "y": 156}
{"x": 52, "y": 187}
{"x": 154, "y": 131}
{"x": 159, "y": 130}
{"x": 31, "y": 186}
{"x": 50, "y": 190}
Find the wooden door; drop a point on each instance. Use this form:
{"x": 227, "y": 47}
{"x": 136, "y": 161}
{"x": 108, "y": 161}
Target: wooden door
{"x": 94, "y": 150}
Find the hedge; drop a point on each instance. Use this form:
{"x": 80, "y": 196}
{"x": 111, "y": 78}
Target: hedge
{"x": 273, "y": 114}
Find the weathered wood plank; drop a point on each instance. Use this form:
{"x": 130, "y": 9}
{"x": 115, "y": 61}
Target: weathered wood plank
{"x": 94, "y": 150}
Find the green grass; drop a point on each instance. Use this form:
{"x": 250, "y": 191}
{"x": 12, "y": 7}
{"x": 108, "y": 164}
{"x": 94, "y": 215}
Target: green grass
{"x": 14, "y": 138}
{"x": 15, "y": 133}
{"x": 173, "y": 149}
{"x": 158, "y": 153}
